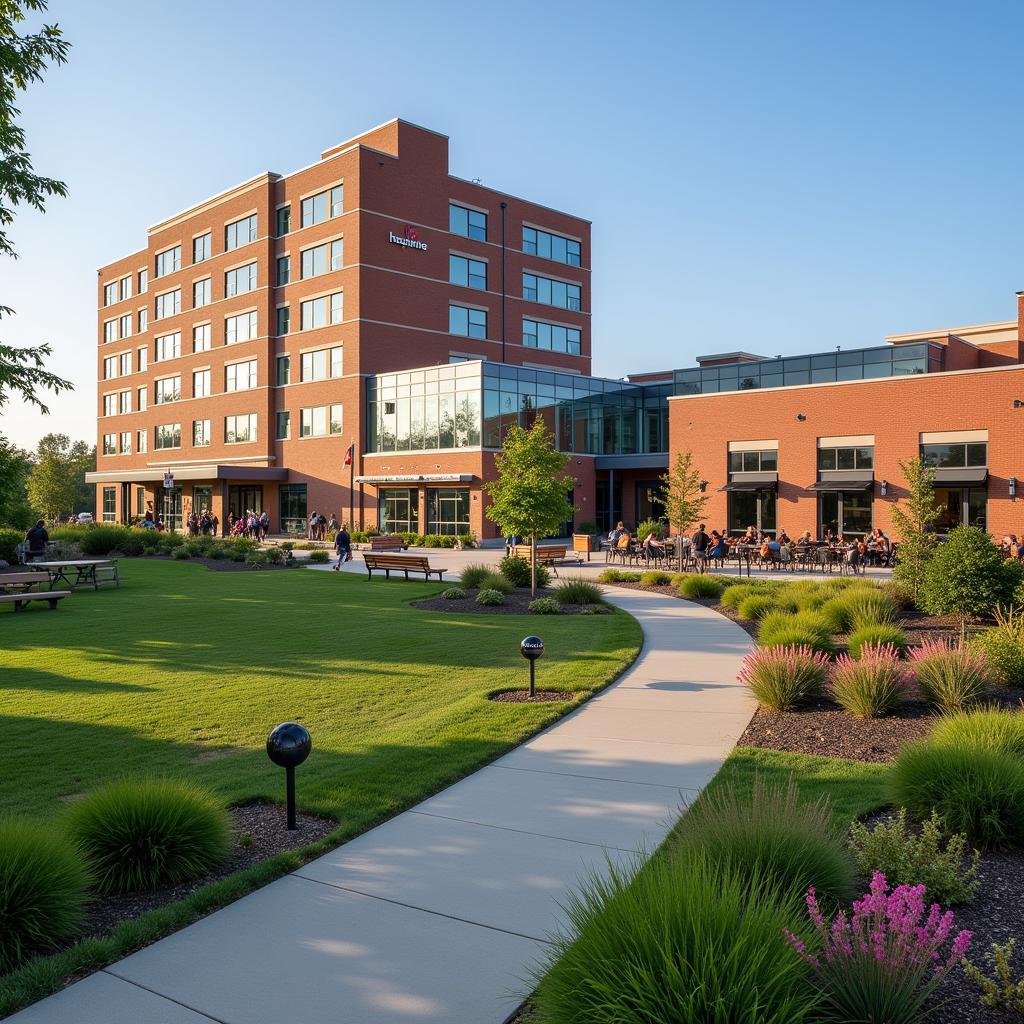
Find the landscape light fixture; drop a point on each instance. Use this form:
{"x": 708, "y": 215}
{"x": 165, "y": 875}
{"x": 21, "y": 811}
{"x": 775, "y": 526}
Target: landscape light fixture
{"x": 1017, "y": 403}
{"x": 801, "y": 417}
{"x": 885, "y": 488}
{"x": 288, "y": 746}
{"x": 532, "y": 648}
{"x": 1013, "y": 488}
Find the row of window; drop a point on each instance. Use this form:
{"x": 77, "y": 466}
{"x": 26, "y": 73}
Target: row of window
{"x": 472, "y": 323}
{"x": 315, "y": 421}
{"x": 473, "y": 224}
{"x": 470, "y": 273}
{"x": 956, "y": 455}
{"x": 121, "y": 289}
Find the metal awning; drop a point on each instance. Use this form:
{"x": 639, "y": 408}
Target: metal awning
{"x": 151, "y": 474}
{"x": 952, "y": 476}
{"x": 416, "y": 478}
{"x": 655, "y": 460}
{"x": 839, "y": 481}
{"x": 752, "y": 482}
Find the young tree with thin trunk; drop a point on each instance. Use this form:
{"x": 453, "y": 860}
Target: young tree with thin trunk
{"x": 914, "y": 521}
{"x": 683, "y": 496}
{"x": 530, "y": 497}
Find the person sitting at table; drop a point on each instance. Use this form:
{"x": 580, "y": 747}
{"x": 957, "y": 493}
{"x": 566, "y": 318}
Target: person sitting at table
{"x": 617, "y": 534}
{"x": 37, "y": 539}
{"x": 653, "y": 547}
{"x": 719, "y": 548}
{"x": 806, "y": 540}
{"x": 784, "y": 537}
{"x": 750, "y": 537}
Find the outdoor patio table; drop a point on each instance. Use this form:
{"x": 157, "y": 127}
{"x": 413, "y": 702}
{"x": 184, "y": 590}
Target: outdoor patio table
{"x": 84, "y": 571}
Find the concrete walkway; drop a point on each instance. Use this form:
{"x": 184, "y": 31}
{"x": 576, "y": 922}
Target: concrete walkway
{"x": 438, "y": 914}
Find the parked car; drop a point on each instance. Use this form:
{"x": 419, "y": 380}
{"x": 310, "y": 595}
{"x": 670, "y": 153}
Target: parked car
{"x": 84, "y": 517}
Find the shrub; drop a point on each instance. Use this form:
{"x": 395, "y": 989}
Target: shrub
{"x": 9, "y": 541}
{"x": 951, "y": 678}
{"x": 517, "y": 571}
{"x": 868, "y": 607}
{"x": 901, "y": 595}
{"x": 545, "y": 606}
{"x": 734, "y": 596}
{"x": 589, "y": 526}
{"x": 256, "y": 559}
{"x": 797, "y": 636}
{"x": 755, "y": 606}
{"x": 1000, "y": 991}
{"x": 577, "y": 591}
{"x": 167, "y": 542}
{"x": 646, "y": 528}
{"x": 873, "y": 686}
{"x": 318, "y": 557}
{"x": 43, "y": 889}
{"x": 595, "y": 609}
{"x": 1003, "y": 647}
{"x": 883, "y": 962}
{"x": 988, "y": 729}
{"x": 975, "y": 791}
{"x": 103, "y": 539}
{"x": 454, "y": 594}
{"x": 780, "y": 678}
{"x": 701, "y": 585}
{"x": 617, "y": 576}
{"x": 677, "y": 940}
{"x": 142, "y": 834}
{"x": 490, "y": 597}
{"x": 275, "y": 556}
{"x": 908, "y": 858}
{"x": 181, "y": 553}
{"x": 877, "y": 636}
{"x": 471, "y": 575}
{"x": 775, "y": 622}
{"x": 968, "y": 576}
{"x": 655, "y": 578}
{"x": 789, "y": 843}
{"x": 497, "y": 581}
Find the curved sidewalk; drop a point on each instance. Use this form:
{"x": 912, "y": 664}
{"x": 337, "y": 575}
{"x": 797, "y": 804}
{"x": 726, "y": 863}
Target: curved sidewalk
{"x": 438, "y": 914}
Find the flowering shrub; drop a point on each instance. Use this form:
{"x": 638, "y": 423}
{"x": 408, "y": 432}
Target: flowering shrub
{"x": 872, "y": 686}
{"x": 782, "y": 677}
{"x": 951, "y": 678}
{"x": 881, "y": 964}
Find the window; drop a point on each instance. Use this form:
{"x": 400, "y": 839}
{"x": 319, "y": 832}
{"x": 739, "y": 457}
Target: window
{"x": 201, "y": 248}
{"x": 322, "y": 364}
{"x": 109, "y": 331}
{"x": 316, "y": 208}
{"x": 142, "y": 395}
{"x": 143, "y": 282}
{"x": 201, "y": 338}
{"x": 337, "y": 254}
{"x": 551, "y": 247}
{"x": 469, "y": 273}
{"x": 125, "y": 326}
{"x": 240, "y": 376}
{"x": 167, "y": 435}
{"x": 240, "y": 232}
{"x": 110, "y": 293}
{"x": 201, "y": 433}
{"x": 125, "y": 402}
{"x": 143, "y": 359}
{"x": 284, "y": 425}
{"x": 168, "y": 304}
{"x": 284, "y": 370}
{"x": 550, "y": 292}
{"x": 284, "y": 220}
{"x": 126, "y": 363}
{"x": 398, "y": 509}
{"x": 141, "y": 442}
{"x": 314, "y": 261}
{"x": 537, "y": 334}
{"x": 201, "y": 293}
{"x": 110, "y": 368}
{"x": 284, "y": 270}
{"x": 315, "y": 312}
{"x": 292, "y": 499}
{"x": 143, "y": 320}
{"x": 110, "y": 405}
{"x": 470, "y": 323}
{"x": 126, "y": 288}
{"x": 239, "y": 429}
{"x": 167, "y": 389}
{"x": 337, "y": 200}
{"x": 240, "y": 280}
{"x": 846, "y": 458}
{"x": 956, "y": 455}
{"x": 753, "y": 508}
{"x": 471, "y": 223}
{"x": 320, "y": 421}
{"x": 448, "y": 510}
{"x": 240, "y": 328}
{"x": 284, "y": 319}
{"x": 126, "y": 443}
{"x": 168, "y": 346}
{"x": 754, "y": 462}
{"x": 200, "y": 383}
{"x": 168, "y": 261}
{"x": 110, "y": 444}
{"x": 109, "y": 502}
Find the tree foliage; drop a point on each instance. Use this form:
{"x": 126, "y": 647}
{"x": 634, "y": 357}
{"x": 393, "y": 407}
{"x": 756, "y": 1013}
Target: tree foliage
{"x": 681, "y": 494}
{"x": 530, "y": 497}
{"x": 23, "y": 59}
{"x": 56, "y": 483}
{"x": 914, "y": 520}
{"x": 15, "y": 466}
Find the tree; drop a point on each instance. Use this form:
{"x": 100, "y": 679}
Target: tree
{"x": 530, "y": 496}
{"x": 683, "y": 496}
{"x": 23, "y": 58}
{"x": 15, "y": 466}
{"x": 914, "y": 522}
{"x": 57, "y": 481}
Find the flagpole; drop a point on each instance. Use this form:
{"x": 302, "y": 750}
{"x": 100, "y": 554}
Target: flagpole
{"x": 351, "y": 483}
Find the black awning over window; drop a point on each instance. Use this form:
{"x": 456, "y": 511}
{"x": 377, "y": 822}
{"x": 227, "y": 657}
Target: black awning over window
{"x": 953, "y": 476}
{"x": 836, "y": 482}
{"x": 752, "y": 482}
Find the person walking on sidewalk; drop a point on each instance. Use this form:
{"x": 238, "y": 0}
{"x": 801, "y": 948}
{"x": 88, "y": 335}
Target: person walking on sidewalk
{"x": 343, "y": 545}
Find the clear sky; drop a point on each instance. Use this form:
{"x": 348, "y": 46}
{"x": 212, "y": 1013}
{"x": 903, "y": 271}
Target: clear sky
{"x": 779, "y": 177}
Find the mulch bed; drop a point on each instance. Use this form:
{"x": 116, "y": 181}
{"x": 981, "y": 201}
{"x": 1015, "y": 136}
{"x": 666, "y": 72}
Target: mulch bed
{"x": 516, "y": 603}
{"x": 263, "y": 824}
{"x": 523, "y": 696}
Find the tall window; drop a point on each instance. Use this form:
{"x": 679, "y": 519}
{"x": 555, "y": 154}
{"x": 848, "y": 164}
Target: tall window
{"x": 470, "y": 323}
{"x": 109, "y": 503}
{"x": 110, "y": 405}
{"x": 125, "y": 325}
{"x": 284, "y": 269}
{"x": 126, "y": 443}
{"x": 201, "y": 338}
{"x": 448, "y": 510}
{"x": 201, "y": 293}
{"x": 471, "y": 223}
{"x": 240, "y": 328}
{"x": 317, "y": 208}
{"x": 143, "y": 359}
{"x": 110, "y": 368}
{"x": 537, "y": 334}
{"x": 141, "y": 395}
{"x": 551, "y": 292}
{"x": 141, "y": 442}
{"x": 110, "y": 293}
{"x": 125, "y": 288}
{"x": 200, "y": 383}
{"x": 240, "y": 280}
{"x": 167, "y": 389}
{"x": 320, "y": 421}
{"x": 469, "y": 273}
{"x": 284, "y": 319}
{"x": 284, "y": 220}
{"x": 168, "y": 261}
{"x": 314, "y": 261}
{"x": 551, "y": 247}
{"x": 240, "y": 429}
{"x": 240, "y": 376}
{"x": 125, "y": 363}
{"x": 110, "y": 444}
{"x": 143, "y": 319}
{"x": 168, "y": 346}
{"x": 240, "y": 232}
{"x": 319, "y": 312}
{"x": 168, "y": 304}
{"x": 109, "y": 331}
{"x": 125, "y": 402}
{"x": 167, "y": 435}
{"x": 201, "y": 433}
{"x": 143, "y": 281}
{"x": 201, "y": 248}
{"x": 284, "y": 425}
{"x": 284, "y": 371}
{"x": 292, "y": 507}
{"x": 327, "y": 362}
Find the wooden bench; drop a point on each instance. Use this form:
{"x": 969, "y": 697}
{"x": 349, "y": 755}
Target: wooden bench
{"x": 20, "y": 600}
{"x": 547, "y": 555}
{"x": 387, "y": 542}
{"x": 400, "y": 563}
{"x": 23, "y": 580}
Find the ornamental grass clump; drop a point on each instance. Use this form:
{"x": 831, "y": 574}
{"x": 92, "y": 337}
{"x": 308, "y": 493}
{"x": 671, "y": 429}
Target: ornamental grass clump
{"x": 1003, "y": 647}
{"x": 577, "y": 591}
{"x": 877, "y": 636}
{"x": 942, "y": 863}
{"x": 985, "y": 728}
{"x": 780, "y": 678}
{"x": 655, "y": 578}
{"x": 756, "y": 606}
{"x": 873, "y": 686}
{"x": 774, "y": 623}
{"x": 496, "y": 581}
{"x": 882, "y": 963}
{"x": 951, "y": 678}
{"x": 472, "y": 574}
{"x": 701, "y": 585}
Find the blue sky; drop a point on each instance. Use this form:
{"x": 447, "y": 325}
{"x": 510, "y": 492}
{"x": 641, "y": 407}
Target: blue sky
{"x": 774, "y": 177}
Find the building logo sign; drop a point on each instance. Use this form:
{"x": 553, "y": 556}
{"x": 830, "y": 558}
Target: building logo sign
{"x": 409, "y": 238}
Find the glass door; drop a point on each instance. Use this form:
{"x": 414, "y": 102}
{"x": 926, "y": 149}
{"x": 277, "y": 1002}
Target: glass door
{"x": 846, "y": 513}
{"x": 399, "y": 510}
{"x": 648, "y": 502}
{"x": 753, "y": 508}
{"x": 245, "y": 498}
{"x": 171, "y": 509}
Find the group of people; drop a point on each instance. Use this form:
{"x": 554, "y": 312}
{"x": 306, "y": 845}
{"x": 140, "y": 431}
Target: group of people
{"x": 253, "y": 524}
{"x": 318, "y": 526}
{"x": 204, "y": 523}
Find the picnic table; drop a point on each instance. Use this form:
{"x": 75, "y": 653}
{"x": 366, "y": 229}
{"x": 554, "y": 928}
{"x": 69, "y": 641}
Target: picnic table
{"x": 86, "y": 572}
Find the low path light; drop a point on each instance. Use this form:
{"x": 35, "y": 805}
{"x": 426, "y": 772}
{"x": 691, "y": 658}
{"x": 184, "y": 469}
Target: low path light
{"x": 288, "y": 746}
{"x": 532, "y": 648}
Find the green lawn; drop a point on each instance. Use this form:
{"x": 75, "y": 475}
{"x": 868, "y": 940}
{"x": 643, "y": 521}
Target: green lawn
{"x": 184, "y": 671}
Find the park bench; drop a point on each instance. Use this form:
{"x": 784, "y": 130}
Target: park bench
{"x": 387, "y": 542}
{"x": 21, "y": 599}
{"x": 25, "y": 580}
{"x": 399, "y": 563}
{"x": 547, "y": 555}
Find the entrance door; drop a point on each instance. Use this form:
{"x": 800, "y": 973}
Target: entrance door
{"x": 609, "y": 505}
{"x": 959, "y": 505}
{"x": 847, "y": 513}
{"x": 171, "y": 509}
{"x": 648, "y": 502}
{"x": 202, "y": 500}
{"x": 244, "y": 498}
{"x": 399, "y": 510}
{"x": 753, "y": 508}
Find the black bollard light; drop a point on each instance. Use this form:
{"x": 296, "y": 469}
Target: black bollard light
{"x": 532, "y": 648}
{"x": 288, "y": 746}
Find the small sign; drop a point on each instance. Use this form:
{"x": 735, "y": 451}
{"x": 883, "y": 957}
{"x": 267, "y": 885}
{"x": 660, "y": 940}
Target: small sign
{"x": 168, "y": 481}
{"x": 409, "y": 239}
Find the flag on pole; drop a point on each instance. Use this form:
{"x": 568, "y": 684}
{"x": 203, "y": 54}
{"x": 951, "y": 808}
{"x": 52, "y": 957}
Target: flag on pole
{"x": 349, "y": 454}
